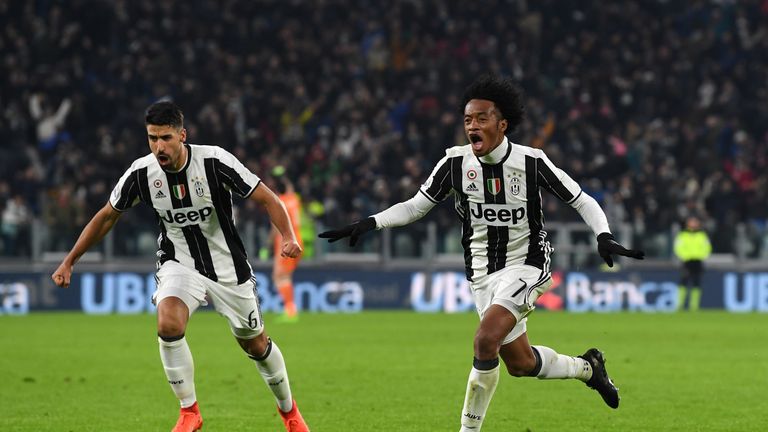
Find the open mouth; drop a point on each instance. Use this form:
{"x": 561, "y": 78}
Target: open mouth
{"x": 163, "y": 159}
{"x": 476, "y": 140}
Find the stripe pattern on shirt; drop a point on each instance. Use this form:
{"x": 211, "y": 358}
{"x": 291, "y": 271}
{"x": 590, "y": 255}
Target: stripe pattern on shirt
{"x": 194, "y": 210}
{"x": 500, "y": 205}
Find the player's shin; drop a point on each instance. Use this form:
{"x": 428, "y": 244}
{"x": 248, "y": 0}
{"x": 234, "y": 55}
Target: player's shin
{"x": 271, "y": 366}
{"x": 480, "y": 388}
{"x": 551, "y": 365}
{"x": 179, "y": 368}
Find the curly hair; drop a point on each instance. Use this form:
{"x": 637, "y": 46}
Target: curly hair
{"x": 503, "y": 92}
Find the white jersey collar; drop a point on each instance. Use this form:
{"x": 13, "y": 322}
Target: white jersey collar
{"x": 497, "y": 155}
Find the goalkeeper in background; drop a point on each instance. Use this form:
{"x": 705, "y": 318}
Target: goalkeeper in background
{"x": 283, "y": 268}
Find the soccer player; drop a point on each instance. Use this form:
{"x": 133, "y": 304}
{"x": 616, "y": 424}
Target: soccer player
{"x": 495, "y": 184}
{"x": 283, "y": 268}
{"x": 200, "y": 253}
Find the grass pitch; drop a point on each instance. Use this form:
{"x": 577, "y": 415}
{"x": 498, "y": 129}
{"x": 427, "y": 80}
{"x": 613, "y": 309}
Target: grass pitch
{"x": 385, "y": 371}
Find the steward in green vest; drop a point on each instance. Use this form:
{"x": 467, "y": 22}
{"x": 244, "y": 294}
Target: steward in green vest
{"x": 692, "y": 247}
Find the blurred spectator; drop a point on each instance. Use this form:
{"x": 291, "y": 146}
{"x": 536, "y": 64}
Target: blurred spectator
{"x": 660, "y": 108}
{"x": 64, "y": 214}
{"x": 15, "y": 227}
{"x": 49, "y": 122}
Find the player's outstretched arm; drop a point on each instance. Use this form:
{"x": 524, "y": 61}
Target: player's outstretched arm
{"x": 97, "y": 228}
{"x": 607, "y": 246}
{"x": 353, "y": 231}
{"x": 280, "y": 219}
{"x": 399, "y": 214}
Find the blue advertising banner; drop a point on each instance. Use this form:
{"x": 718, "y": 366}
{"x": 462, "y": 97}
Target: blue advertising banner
{"x": 354, "y": 290}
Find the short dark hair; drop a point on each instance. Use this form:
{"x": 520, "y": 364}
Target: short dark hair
{"x": 503, "y": 92}
{"x": 164, "y": 113}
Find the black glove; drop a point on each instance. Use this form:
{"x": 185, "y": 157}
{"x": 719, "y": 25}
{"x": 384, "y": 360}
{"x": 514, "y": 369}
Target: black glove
{"x": 353, "y": 231}
{"x": 607, "y": 245}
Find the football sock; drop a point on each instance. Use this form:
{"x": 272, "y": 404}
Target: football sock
{"x": 286, "y": 292}
{"x": 271, "y": 366}
{"x": 179, "y": 368}
{"x": 693, "y": 302}
{"x": 480, "y": 387}
{"x": 552, "y": 365}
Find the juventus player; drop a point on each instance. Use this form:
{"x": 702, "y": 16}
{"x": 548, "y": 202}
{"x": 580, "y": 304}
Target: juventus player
{"x": 495, "y": 184}
{"x": 200, "y": 254}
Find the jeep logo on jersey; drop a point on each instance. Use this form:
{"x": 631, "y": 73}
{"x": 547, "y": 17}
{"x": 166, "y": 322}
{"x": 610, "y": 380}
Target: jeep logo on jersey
{"x": 497, "y": 214}
{"x": 183, "y": 217}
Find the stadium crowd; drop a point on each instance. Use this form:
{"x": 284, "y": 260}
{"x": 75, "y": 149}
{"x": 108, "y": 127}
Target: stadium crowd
{"x": 658, "y": 108}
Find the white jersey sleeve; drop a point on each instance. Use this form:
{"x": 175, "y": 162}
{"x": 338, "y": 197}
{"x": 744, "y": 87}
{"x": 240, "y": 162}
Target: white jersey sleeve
{"x": 561, "y": 185}
{"x": 439, "y": 184}
{"x": 592, "y": 214}
{"x": 556, "y": 181}
{"x": 234, "y": 175}
{"x": 404, "y": 212}
{"x": 126, "y": 193}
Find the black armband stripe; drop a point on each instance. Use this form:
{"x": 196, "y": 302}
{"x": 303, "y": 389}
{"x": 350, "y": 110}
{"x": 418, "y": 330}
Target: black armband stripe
{"x": 575, "y": 198}
{"x": 428, "y": 197}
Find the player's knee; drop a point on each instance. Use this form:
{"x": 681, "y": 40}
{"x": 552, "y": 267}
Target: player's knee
{"x": 170, "y": 328}
{"x": 486, "y": 344}
{"x": 255, "y": 347}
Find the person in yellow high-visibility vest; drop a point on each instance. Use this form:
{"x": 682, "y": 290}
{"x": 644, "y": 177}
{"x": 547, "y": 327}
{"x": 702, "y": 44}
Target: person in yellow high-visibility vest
{"x": 692, "y": 247}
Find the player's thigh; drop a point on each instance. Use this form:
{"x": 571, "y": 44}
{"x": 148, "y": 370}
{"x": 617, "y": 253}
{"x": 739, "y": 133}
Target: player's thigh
{"x": 496, "y": 323}
{"x": 175, "y": 280}
{"x": 518, "y": 289}
{"x": 239, "y": 304}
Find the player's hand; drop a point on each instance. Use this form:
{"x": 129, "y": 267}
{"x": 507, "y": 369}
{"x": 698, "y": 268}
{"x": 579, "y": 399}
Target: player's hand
{"x": 291, "y": 249}
{"x": 62, "y": 276}
{"x": 353, "y": 231}
{"x": 607, "y": 246}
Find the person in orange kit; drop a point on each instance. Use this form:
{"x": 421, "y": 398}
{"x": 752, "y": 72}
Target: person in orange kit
{"x": 282, "y": 272}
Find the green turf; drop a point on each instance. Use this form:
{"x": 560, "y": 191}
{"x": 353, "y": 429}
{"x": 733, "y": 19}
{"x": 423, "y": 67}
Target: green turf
{"x": 385, "y": 371}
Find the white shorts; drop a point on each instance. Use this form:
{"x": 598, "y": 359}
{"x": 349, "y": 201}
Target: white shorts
{"x": 514, "y": 288}
{"x": 239, "y": 304}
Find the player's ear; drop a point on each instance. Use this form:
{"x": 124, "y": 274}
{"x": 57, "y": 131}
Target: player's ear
{"x": 183, "y": 135}
{"x": 503, "y": 125}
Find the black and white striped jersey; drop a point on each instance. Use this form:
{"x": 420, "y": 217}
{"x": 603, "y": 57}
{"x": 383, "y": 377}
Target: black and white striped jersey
{"x": 194, "y": 209}
{"x": 500, "y": 204}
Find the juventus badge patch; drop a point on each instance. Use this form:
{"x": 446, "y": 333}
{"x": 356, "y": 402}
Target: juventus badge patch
{"x": 199, "y": 189}
{"x": 515, "y": 186}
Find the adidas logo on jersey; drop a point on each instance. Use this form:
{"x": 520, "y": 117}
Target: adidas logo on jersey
{"x": 159, "y": 194}
{"x": 472, "y": 187}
